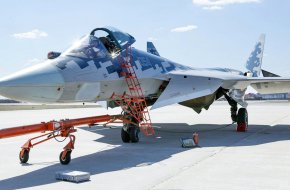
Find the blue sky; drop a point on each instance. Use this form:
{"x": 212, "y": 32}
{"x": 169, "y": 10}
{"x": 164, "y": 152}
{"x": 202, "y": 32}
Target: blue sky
{"x": 198, "y": 33}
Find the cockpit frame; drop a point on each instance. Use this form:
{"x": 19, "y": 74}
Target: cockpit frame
{"x": 121, "y": 39}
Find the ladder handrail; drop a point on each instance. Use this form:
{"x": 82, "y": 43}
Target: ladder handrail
{"x": 135, "y": 102}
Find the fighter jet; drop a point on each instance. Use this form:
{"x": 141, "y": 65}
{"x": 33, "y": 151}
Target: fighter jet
{"x": 90, "y": 71}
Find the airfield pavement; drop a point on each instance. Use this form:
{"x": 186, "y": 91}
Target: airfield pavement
{"x": 257, "y": 159}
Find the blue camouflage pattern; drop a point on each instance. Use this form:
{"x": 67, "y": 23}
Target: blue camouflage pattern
{"x": 254, "y": 62}
{"x": 151, "y": 49}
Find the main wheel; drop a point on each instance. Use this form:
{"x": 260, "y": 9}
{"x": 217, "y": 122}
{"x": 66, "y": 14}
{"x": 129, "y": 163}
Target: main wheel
{"x": 134, "y": 134}
{"x": 67, "y": 158}
{"x": 24, "y": 157}
{"x": 125, "y": 136}
{"x": 242, "y": 120}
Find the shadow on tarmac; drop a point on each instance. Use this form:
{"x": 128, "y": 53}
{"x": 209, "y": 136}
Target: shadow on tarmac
{"x": 149, "y": 150}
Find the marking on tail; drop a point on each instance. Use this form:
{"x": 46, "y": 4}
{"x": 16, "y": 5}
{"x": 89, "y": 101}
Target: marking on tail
{"x": 254, "y": 62}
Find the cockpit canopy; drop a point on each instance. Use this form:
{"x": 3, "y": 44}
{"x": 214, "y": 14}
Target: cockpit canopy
{"x": 101, "y": 42}
{"x": 121, "y": 39}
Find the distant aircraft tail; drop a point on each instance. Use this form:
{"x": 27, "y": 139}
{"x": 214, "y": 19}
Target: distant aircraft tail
{"x": 254, "y": 62}
{"x": 151, "y": 49}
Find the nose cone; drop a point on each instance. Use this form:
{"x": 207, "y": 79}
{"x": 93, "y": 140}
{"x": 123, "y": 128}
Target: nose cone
{"x": 40, "y": 83}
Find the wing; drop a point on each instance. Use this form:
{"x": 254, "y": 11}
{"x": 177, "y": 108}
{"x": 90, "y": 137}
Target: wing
{"x": 188, "y": 85}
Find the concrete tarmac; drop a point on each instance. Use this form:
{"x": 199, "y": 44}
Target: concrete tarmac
{"x": 257, "y": 159}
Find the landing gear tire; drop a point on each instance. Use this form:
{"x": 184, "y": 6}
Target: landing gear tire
{"x": 242, "y": 120}
{"x": 125, "y": 136}
{"x": 24, "y": 157}
{"x": 66, "y": 159}
{"x": 134, "y": 134}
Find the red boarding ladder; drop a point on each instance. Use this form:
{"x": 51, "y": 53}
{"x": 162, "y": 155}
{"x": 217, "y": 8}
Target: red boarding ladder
{"x": 134, "y": 103}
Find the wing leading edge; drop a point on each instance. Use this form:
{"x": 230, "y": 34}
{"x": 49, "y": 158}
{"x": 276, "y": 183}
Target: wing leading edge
{"x": 185, "y": 87}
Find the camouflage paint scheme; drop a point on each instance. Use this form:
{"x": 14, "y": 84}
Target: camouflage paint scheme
{"x": 90, "y": 71}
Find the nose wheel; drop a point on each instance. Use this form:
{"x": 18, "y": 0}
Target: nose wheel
{"x": 134, "y": 133}
{"x": 125, "y": 136}
{"x": 130, "y": 133}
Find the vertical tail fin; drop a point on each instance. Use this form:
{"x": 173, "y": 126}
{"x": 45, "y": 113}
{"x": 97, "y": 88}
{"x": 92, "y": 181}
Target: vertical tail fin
{"x": 151, "y": 49}
{"x": 254, "y": 62}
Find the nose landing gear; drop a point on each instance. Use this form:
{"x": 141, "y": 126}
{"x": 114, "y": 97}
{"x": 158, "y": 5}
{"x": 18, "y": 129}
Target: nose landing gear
{"x": 130, "y": 132}
{"x": 134, "y": 133}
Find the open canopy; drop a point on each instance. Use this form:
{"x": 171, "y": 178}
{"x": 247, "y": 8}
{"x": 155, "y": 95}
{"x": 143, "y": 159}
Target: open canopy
{"x": 121, "y": 39}
{"x": 100, "y": 42}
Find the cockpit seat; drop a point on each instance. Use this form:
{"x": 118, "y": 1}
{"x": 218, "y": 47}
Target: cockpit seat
{"x": 108, "y": 44}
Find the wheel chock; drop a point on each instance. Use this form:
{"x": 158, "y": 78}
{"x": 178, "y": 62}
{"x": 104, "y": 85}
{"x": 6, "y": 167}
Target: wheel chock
{"x": 73, "y": 176}
{"x": 190, "y": 142}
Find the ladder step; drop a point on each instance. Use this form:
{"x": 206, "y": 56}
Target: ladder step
{"x": 132, "y": 85}
{"x": 133, "y": 76}
{"x": 139, "y": 100}
{"x": 130, "y": 75}
{"x": 132, "y": 80}
{"x": 135, "y": 88}
{"x": 126, "y": 65}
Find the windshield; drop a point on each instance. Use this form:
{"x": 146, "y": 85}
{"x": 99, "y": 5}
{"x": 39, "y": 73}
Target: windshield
{"x": 122, "y": 37}
{"x": 87, "y": 47}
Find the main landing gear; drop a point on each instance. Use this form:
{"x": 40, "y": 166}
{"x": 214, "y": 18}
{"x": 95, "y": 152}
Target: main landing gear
{"x": 241, "y": 118}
